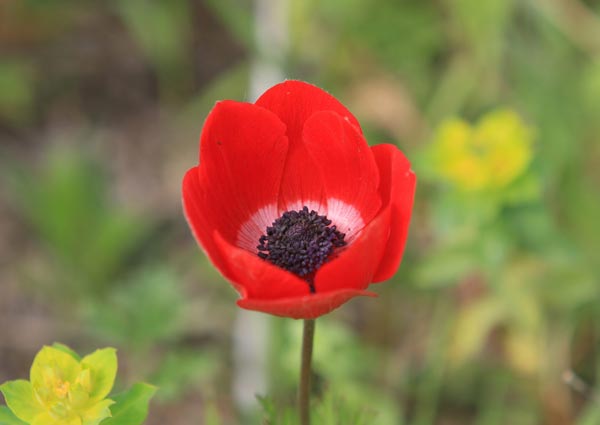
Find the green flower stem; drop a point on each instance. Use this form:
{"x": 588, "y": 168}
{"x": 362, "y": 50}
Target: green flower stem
{"x": 305, "y": 371}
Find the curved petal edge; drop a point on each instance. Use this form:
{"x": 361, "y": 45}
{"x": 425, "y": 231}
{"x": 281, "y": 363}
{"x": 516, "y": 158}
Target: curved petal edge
{"x": 306, "y": 307}
{"x": 397, "y": 188}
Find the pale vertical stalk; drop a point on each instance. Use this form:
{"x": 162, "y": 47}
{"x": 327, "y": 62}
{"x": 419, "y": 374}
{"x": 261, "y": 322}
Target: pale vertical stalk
{"x": 271, "y": 43}
{"x": 251, "y": 330}
{"x": 250, "y": 341}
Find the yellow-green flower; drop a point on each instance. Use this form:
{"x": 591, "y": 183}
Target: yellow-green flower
{"x": 485, "y": 156}
{"x": 63, "y": 389}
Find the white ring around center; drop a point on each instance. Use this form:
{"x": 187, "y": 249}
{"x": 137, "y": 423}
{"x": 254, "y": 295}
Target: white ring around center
{"x": 344, "y": 216}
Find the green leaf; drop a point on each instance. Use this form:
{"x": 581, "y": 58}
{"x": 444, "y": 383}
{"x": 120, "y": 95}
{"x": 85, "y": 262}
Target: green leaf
{"x": 8, "y": 418}
{"x": 103, "y": 365}
{"x": 20, "y": 399}
{"x": 131, "y": 407}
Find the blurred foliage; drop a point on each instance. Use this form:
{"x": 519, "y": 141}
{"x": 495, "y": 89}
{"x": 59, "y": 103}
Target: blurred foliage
{"x": 329, "y": 411}
{"x": 496, "y": 103}
{"x": 145, "y": 309}
{"x": 66, "y": 203}
{"x": 16, "y": 85}
{"x": 94, "y": 266}
{"x": 166, "y": 45}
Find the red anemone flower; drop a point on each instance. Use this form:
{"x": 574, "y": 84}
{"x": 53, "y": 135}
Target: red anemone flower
{"x": 291, "y": 204}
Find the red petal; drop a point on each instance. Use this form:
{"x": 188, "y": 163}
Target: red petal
{"x": 194, "y": 205}
{"x": 397, "y": 187}
{"x": 347, "y": 165}
{"x": 258, "y": 278}
{"x": 306, "y": 307}
{"x": 294, "y": 102}
{"x": 242, "y": 152}
{"x": 355, "y": 267}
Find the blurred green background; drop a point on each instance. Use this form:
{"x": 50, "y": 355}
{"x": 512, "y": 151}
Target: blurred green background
{"x": 494, "y": 316}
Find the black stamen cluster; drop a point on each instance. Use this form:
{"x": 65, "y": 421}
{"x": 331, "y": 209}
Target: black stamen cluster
{"x": 300, "y": 241}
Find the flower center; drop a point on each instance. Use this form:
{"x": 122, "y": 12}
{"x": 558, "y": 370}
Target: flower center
{"x": 300, "y": 242}
{"x": 62, "y": 388}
